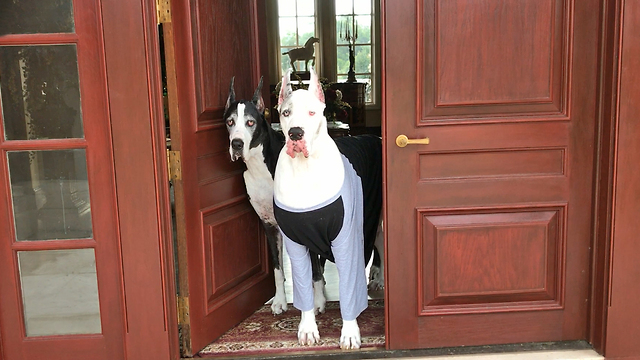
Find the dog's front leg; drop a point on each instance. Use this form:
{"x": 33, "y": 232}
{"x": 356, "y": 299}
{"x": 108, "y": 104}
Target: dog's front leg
{"x": 303, "y": 291}
{"x": 308, "y": 329}
{"x": 350, "y": 335}
{"x": 274, "y": 239}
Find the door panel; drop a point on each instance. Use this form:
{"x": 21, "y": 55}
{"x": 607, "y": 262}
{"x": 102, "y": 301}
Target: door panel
{"x": 60, "y": 293}
{"x": 223, "y": 259}
{"x": 499, "y": 202}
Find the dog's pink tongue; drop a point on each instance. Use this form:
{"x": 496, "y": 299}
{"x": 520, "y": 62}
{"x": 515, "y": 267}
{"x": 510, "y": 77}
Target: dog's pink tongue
{"x": 297, "y": 146}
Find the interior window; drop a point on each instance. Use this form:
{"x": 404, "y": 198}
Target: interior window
{"x": 354, "y": 25}
{"x": 300, "y": 20}
{"x": 297, "y": 24}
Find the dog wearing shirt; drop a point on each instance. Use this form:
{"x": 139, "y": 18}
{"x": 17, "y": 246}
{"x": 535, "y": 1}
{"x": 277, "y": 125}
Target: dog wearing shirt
{"x": 327, "y": 200}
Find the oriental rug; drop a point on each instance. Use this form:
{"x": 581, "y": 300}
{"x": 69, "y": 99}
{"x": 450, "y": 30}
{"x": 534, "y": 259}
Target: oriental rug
{"x": 264, "y": 333}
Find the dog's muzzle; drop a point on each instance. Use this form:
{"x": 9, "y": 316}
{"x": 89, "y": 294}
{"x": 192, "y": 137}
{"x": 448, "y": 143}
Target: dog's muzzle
{"x": 296, "y": 133}
{"x": 296, "y": 143}
{"x": 237, "y": 144}
{"x": 236, "y": 149}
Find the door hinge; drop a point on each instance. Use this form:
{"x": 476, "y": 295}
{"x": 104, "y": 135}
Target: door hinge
{"x": 164, "y": 11}
{"x": 175, "y": 168}
{"x": 183, "y": 310}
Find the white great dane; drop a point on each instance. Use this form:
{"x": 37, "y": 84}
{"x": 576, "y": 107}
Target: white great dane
{"x": 327, "y": 200}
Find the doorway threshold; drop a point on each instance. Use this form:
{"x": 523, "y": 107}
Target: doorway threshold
{"x": 564, "y": 350}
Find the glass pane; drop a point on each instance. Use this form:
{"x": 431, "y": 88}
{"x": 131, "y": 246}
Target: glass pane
{"x": 344, "y": 7}
{"x": 362, "y": 7}
{"x": 368, "y": 92}
{"x": 284, "y": 60}
{"x": 363, "y": 24}
{"x": 363, "y": 59}
{"x": 288, "y": 32}
{"x": 287, "y": 7}
{"x": 344, "y": 24}
{"x": 60, "y": 292}
{"x": 306, "y": 29}
{"x": 36, "y": 16}
{"x": 50, "y": 194}
{"x": 306, "y": 8}
{"x": 40, "y": 92}
{"x": 343, "y": 59}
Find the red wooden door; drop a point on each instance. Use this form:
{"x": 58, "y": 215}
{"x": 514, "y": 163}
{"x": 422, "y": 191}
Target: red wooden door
{"x": 488, "y": 226}
{"x": 226, "y": 258}
{"x": 60, "y": 289}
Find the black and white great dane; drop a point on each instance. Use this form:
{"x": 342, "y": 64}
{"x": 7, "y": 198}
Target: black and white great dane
{"x": 252, "y": 139}
{"x": 327, "y": 200}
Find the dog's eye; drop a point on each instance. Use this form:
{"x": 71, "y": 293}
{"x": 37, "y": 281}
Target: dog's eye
{"x": 286, "y": 112}
{"x": 311, "y": 113}
{"x": 250, "y": 122}
{"x": 230, "y": 122}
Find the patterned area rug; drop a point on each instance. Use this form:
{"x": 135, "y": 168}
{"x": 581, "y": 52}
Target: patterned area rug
{"x": 263, "y": 333}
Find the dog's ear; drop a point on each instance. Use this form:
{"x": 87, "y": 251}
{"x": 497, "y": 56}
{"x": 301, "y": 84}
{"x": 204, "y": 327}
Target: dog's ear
{"x": 285, "y": 88}
{"x": 232, "y": 95}
{"x": 314, "y": 85}
{"x": 257, "y": 100}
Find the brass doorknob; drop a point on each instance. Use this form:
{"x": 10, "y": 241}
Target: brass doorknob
{"x": 403, "y": 140}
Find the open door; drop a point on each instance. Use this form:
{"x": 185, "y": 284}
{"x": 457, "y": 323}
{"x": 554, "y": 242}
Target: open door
{"x": 224, "y": 273}
{"x": 61, "y": 284}
{"x": 488, "y": 226}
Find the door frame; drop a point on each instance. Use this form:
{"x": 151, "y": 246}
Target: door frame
{"x": 146, "y": 235}
{"x": 134, "y": 80}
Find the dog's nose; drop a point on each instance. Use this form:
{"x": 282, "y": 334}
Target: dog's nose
{"x": 237, "y": 144}
{"x": 296, "y": 133}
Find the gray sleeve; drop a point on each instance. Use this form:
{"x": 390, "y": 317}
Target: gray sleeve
{"x": 301, "y": 274}
{"x": 348, "y": 251}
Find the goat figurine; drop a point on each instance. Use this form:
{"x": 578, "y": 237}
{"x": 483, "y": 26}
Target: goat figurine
{"x": 303, "y": 53}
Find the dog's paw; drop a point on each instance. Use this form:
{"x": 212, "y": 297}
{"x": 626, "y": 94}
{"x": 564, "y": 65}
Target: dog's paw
{"x": 350, "y": 335}
{"x": 376, "y": 279}
{"x": 308, "y": 329}
{"x": 319, "y": 298}
{"x": 279, "y": 304}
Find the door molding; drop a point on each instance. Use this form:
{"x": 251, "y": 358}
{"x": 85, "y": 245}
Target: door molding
{"x": 144, "y": 210}
{"x": 154, "y": 244}
{"x": 604, "y": 170}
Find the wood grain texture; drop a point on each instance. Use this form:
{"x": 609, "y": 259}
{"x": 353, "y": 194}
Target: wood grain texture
{"x": 106, "y": 238}
{"x": 470, "y": 138}
{"x": 491, "y": 260}
{"x": 623, "y": 323}
{"x": 139, "y": 150}
{"x": 213, "y": 41}
{"x": 496, "y": 58}
{"x": 603, "y": 204}
{"x": 492, "y": 164}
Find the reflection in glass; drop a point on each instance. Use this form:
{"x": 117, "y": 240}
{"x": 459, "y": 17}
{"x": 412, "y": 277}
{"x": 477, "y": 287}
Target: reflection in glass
{"x": 36, "y": 16}
{"x": 59, "y": 292}
{"x": 40, "y": 92}
{"x": 50, "y": 194}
